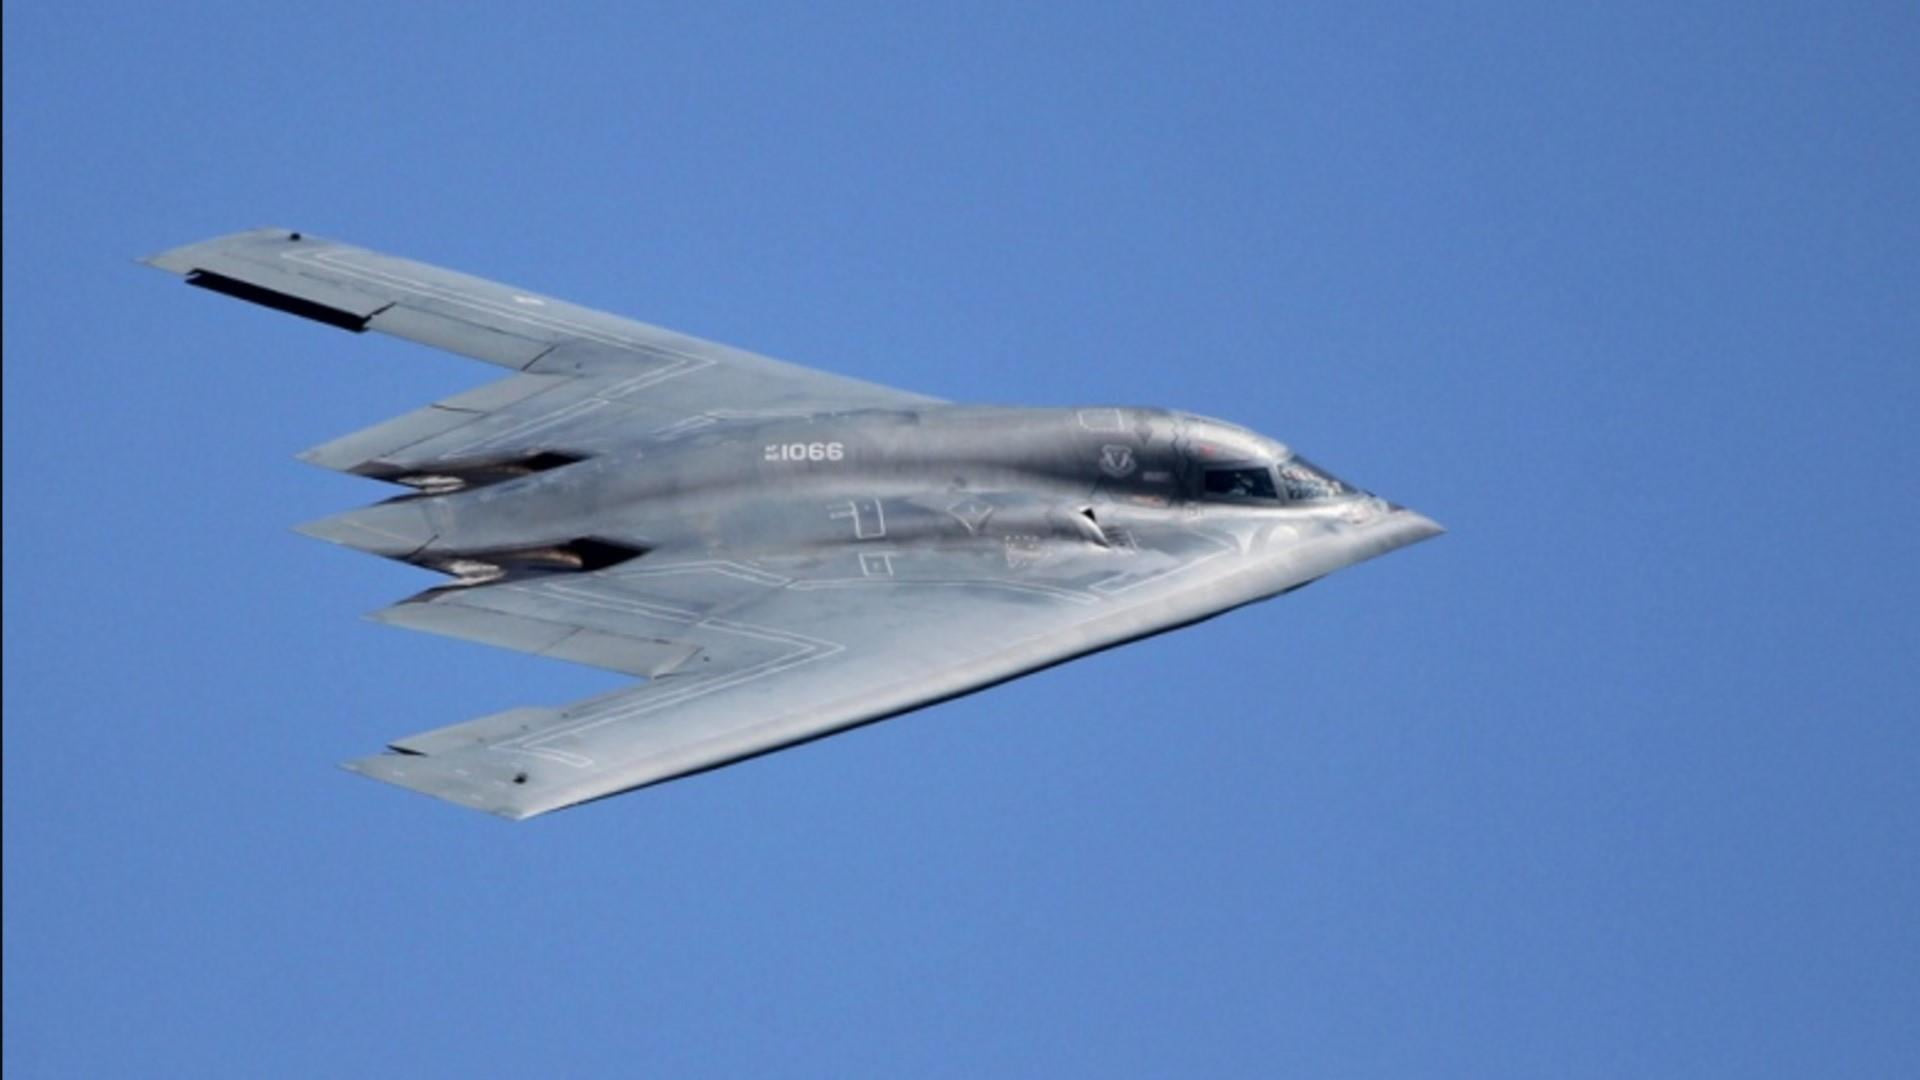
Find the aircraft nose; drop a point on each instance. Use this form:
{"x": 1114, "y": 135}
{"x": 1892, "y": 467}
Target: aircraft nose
{"x": 1405, "y": 526}
{"x": 1418, "y": 525}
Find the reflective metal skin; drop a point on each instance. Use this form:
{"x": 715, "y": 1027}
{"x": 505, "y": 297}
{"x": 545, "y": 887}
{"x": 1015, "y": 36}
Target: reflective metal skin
{"x": 781, "y": 553}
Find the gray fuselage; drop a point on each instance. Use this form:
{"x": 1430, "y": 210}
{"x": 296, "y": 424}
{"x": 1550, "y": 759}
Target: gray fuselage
{"x": 920, "y": 475}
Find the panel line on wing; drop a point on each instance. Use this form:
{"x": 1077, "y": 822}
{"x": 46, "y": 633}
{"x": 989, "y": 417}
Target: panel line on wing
{"x": 723, "y": 567}
{"x": 539, "y": 423}
{"x": 337, "y": 262}
{"x": 715, "y": 416}
{"x": 1050, "y": 591}
{"x": 804, "y": 649}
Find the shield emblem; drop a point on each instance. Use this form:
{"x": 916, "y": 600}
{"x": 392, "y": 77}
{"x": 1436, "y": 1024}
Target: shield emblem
{"x": 1116, "y": 461}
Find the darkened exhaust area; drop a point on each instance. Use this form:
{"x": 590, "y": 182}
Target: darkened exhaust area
{"x": 448, "y": 476}
{"x": 278, "y": 301}
{"x": 582, "y": 556}
{"x": 599, "y": 554}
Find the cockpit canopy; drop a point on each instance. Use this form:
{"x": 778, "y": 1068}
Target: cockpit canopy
{"x": 1303, "y": 481}
{"x": 1241, "y": 466}
{"x": 1294, "y": 480}
{"x": 1236, "y": 482}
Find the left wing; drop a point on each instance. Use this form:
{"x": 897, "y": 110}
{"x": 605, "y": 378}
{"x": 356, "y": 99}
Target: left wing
{"x": 584, "y": 377}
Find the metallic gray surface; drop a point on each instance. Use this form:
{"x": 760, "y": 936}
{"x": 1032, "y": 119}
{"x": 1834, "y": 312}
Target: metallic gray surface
{"x": 781, "y": 553}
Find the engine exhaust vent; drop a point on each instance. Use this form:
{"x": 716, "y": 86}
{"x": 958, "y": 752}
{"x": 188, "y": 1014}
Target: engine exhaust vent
{"x": 447, "y": 477}
{"x": 582, "y": 556}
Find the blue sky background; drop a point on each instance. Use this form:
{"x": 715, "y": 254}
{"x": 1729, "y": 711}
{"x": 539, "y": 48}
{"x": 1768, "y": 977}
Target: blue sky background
{"x": 1619, "y": 778}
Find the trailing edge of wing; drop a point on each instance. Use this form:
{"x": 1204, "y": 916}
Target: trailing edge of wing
{"x": 443, "y": 612}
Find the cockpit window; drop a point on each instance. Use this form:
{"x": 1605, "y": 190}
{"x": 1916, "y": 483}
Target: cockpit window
{"x": 1240, "y": 483}
{"x": 1301, "y": 481}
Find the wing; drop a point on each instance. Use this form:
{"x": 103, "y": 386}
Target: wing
{"x": 745, "y": 659}
{"x": 584, "y": 378}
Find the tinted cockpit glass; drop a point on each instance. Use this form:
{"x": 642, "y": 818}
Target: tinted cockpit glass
{"x": 1240, "y": 483}
{"x": 1301, "y": 481}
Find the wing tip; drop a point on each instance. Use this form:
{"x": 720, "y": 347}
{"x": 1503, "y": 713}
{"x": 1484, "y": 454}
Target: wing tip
{"x": 433, "y": 776}
{"x": 180, "y": 260}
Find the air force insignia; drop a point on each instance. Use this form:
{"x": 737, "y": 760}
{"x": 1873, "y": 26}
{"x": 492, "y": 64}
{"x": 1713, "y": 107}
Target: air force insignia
{"x": 1116, "y": 461}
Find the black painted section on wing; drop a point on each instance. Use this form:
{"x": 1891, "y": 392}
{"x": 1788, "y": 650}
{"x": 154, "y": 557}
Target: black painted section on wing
{"x": 279, "y": 301}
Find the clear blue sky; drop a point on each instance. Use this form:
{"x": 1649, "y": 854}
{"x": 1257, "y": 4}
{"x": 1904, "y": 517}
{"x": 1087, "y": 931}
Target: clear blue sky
{"x": 1619, "y": 778}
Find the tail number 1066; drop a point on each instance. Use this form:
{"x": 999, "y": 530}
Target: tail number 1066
{"x": 806, "y": 451}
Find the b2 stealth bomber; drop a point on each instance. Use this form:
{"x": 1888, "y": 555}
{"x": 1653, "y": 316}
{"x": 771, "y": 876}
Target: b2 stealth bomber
{"x": 780, "y": 553}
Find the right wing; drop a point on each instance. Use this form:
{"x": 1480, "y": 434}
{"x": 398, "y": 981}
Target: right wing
{"x": 745, "y": 658}
{"x": 585, "y": 378}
